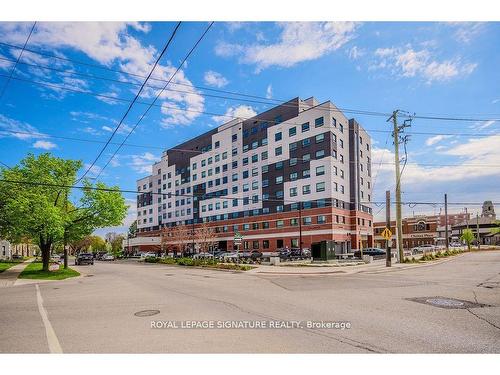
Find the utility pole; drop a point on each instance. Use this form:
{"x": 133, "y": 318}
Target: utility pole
{"x": 447, "y": 241}
{"x": 466, "y": 218}
{"x": 477, "y": 233}
{"x": 399, "y": 224}
{"x": 388, "y": 225}
{"x": 300, "y": 226}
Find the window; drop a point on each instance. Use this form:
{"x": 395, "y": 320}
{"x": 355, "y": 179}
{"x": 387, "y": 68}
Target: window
{"x": 278, "y": 151}
{"x": 320, "y": 186}
{"x": 235, "y": 202}
{"x": 306, "y": 189}
{"x": 193, "y": 168}
{"x": 255, "y": 185}
{"x": 255, "y": 144}
{"x": 217, "y": 158}
{"x": 210, "y": 160}
{"x": 255, "y": 172}
{"x": 279, "y": 194}
{"x": 293, "y": 146}
{"x": 279, "y": 180}
{"x": 293, "y": 192}
{"x": 234, "y": 164}
{"x": 265, "y": 224}
{"x": 234, "y": 152}
{"x": 293, "y": 176}
{"x": 341, "y": 173}
{"x": 341, "y": 143}
{"x": 265, "y": 244}
{"x": 341, "y": 127}
{"x": 203, "y": 163}
{"x": 306, "y": 158}
{"x": 321, "y": 219}
{"x": 280, "y": 223}
{"x": 306, "y": 142}
{"x": 334, "y": 122}
{"x": 246, "y": 187}
{"x": 255, "y": 245}
{"x": 264, "y": 155}
{"x": 307, "y": 220}
{"x": 292, "y": 131}
{"x": 306, "y": 173}
{"x": 255, "y": 158}
{"x": 245, "y": 161}
{"x": 217, "y": 144}
{"x": 245, "y": 174}
{"x": 234, "y": 137}
{"x": 277, "y": 137}
{"x": 293, "y": 161}
{"x": 320, "y": 138}
{"x": 278, "y": 119}
{"x": 305, "y": 127}
{"x": 319, "y": 122}
{"x": 278, "y": 165}
{"x": 320, "y": 154}
{"x": 235, "y": 177}
{"x": 320, "y": 170}
{"x": 224, "y": 155}
{"x": 294, "y": 221}
{"x": 265, "y": 168}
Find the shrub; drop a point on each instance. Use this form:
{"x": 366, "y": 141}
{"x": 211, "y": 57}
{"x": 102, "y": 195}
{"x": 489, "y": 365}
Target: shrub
{"x": 151, "y": 260}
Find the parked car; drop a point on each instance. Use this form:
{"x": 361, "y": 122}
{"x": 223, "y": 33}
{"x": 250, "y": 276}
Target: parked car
{"x": 148, "y": 255}
{"x": 108, "y": 257}
{"x": 55, "y": 258}
{"x": 16, "y": 256}
{"x": 372, "y": 251}
{"x": 423, "y": 249}
{"x": 456, "y": 244}
{"x": 220, "y": 254}
{"x": 231, "y": 257}
{"x": 84, "y": 258}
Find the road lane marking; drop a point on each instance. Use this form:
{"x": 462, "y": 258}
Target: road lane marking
{"x": 54, "y": 346}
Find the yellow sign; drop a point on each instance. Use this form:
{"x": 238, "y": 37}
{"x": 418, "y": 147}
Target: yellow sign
{"x": 387, "y": 234}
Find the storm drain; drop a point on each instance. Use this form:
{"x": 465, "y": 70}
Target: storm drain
{"x": 145, "y": 313}
{"x": 447, "y": 303}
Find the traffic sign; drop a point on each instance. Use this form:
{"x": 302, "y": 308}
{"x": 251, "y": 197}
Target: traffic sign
{"x": 237, "y": 238}
{"x": 387, "y": 234}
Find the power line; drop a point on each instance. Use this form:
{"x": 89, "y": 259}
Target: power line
{"x": 423, "y": 116}
{"x": 133, "y": 101}
{"x": 116, "y": 189}
{"x": 156, "y": 98}
{"x": 17, "y": 61}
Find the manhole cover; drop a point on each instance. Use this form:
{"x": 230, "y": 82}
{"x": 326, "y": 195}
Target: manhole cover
{"x": 447, "y": 303}
{"x": 144, "y": 313}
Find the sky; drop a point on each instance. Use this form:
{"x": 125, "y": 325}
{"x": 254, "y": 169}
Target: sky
{"x": 80, "y": 82}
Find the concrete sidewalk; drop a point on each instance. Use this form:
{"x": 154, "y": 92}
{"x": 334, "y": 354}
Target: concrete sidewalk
{"x": 375, "y": 267}
{"x": 9, "y": 276}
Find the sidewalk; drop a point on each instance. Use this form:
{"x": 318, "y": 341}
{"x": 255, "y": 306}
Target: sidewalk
{"x": 9, "y": 276}
{"x": 371, "y": 268}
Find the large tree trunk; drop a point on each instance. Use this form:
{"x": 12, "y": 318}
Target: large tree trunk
{"x": 45, "y": 249}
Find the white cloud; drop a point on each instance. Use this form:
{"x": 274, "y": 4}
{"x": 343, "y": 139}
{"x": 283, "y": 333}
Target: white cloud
{"x": 355, "y": 53}
{"x": 18, "y": 129}
{"x": 241, "y": 111}
{"x": 298, "y": 42}
{"x": 269, "y": 91}
{"x": 467, "y": 31}
{"x": 484, "y": 124}
{"x": 435, "y": 139}
{"x": 111, "y": 44}
{"x": 407, "y": 62}
{"x": 44, "y": 145}
{"x": 215, "y": 79}
{"x": 143, "y": 163}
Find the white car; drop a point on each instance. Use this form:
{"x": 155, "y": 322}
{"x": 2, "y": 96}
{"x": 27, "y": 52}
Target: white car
{"x": 108, "y": 257}
{"x": 423, "y": 249}
{"x": 148, "y": 255}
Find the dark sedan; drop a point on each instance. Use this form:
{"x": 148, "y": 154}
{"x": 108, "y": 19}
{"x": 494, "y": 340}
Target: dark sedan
{"x": 84, "y": 258}
{"x": 372, "y": 251}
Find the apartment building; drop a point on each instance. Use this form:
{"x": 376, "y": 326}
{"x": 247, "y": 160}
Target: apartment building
{"x": 301, "y": 170}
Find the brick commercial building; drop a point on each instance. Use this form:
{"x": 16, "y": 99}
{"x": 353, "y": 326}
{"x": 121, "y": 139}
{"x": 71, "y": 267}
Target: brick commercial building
{"x": 299, "y": 170}
{"x": 420, "y": 230}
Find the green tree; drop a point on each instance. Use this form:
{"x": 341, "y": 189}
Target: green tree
{"x": 132, "y": 230}
{"x": 35, "y": 203}
{"x": 468, "y": 237}
{"x": 97, "y": 243}
{"x": 496, "y": 229}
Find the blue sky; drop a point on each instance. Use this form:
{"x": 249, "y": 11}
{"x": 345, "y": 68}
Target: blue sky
{"x": 427, "y": 68}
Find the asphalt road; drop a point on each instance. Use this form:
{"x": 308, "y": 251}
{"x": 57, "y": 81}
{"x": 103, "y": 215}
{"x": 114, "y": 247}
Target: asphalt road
{"x": 95, "y": 313}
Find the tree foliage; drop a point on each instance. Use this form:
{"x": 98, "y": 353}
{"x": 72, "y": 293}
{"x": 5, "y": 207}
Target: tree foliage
{"x": 468, "y": 237}
{"x": 43, "y": 209}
